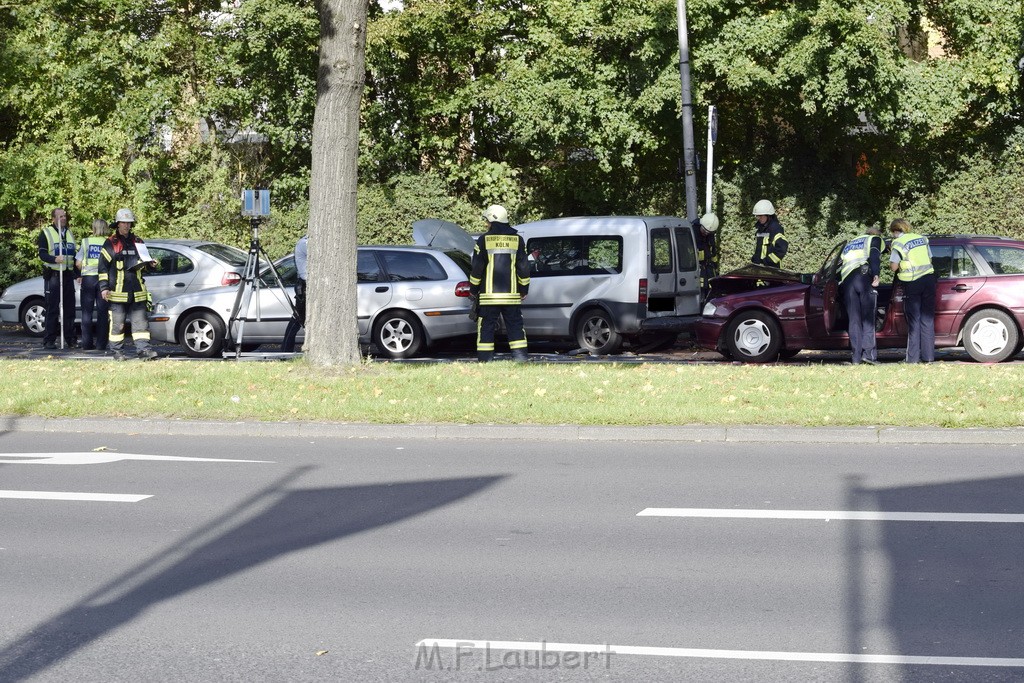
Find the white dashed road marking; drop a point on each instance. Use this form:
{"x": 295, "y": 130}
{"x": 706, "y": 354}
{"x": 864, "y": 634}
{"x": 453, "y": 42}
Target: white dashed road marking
{"x": 69, "y": 495}
{"x": 830, "y": 515}
{"x": 763, "y": 655}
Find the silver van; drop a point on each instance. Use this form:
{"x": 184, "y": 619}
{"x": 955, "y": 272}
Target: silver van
{"x": 602, "y": 280}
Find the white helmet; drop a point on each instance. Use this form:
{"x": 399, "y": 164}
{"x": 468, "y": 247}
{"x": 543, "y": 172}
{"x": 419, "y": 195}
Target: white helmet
{"x": 709, "y": 222}
{"x": 124, "y": 215}
{"x": 496, "y": 213}
{"x": 764, "y": 208}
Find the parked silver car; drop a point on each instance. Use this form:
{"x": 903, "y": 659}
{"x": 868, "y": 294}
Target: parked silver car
{"x": 407, "y": 298}
{"x": 182, "y": 266}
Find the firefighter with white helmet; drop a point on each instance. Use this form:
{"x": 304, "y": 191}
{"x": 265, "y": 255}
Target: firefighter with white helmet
{"x": 704, "y": 229}
{"x": 500, "y": 279}
{"x": 123, "y": 257}
{"x": 770, "y": 244}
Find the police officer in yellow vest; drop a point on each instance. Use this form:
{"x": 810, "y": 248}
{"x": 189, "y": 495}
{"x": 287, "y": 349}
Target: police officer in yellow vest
{"x": 911, "y": 260}
{"x": 56, "y": 246}
{"x": 88, "y": 262}
{"x": 500, "y": 279}
{"x": 858, "y": 277}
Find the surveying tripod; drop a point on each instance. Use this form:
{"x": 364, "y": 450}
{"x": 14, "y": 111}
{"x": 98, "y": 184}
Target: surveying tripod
{"x": 251, "y": 283}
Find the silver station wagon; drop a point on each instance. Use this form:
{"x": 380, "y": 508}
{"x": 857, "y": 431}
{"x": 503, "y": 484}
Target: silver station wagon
{"x": 407, "y": 298}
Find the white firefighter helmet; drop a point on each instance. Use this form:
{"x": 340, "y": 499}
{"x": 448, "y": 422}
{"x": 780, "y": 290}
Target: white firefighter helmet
{"x": 764, "y": 208}
{"x": 709, "y": 222}
{"x": 496, "y": 213}
{"x": 125, "y": 216}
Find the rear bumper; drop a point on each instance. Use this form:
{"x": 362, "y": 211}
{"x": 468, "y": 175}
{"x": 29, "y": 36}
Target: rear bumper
{"x": 674, "y": 324}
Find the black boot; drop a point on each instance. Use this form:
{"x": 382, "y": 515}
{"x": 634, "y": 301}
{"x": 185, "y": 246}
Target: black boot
{"x": 520, "y": 355}
{"x": 485, "y": 356}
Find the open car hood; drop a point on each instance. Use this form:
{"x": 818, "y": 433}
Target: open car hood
{"x": 433, "y": 232}
{"x": 765, "y": 274}
{"x": 752, "y": 277}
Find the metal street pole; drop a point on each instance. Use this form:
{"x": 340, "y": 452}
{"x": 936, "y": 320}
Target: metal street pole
{"x": 689, "y": 153}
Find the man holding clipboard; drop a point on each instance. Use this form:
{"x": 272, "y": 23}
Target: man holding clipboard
{"x": 123, "y": 258}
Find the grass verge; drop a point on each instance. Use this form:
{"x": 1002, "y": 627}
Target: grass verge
{"x": 940, "y": 394}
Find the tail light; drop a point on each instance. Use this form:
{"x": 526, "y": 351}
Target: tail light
{"x": 462, "y": 289}
{"x": 230, "y": 278}
{"x": 641, "y": 296}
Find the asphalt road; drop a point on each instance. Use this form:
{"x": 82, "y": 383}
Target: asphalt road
{"x": 423, "y": 559}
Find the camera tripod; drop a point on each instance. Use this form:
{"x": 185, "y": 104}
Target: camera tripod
{"x": 251, "y": 284}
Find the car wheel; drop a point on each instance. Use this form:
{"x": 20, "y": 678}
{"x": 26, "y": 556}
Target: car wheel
{"x": 596, "y": 334}
{"x": 397, "y": 334}
{"x": 754, "y": 337}
{"x": 33, "y": 316}
{"x": 990, "y": 336}
{"x": 202, "y": 335}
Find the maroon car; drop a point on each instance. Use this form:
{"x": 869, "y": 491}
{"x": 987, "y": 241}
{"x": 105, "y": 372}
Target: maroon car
{"x": 758, "y": 314}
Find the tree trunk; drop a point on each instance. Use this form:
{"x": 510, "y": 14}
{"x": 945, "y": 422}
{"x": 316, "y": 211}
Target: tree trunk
{"x": 332, "y": 337}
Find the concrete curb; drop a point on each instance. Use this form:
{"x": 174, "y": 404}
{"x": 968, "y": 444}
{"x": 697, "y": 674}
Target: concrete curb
{"x": 682, "y": 433}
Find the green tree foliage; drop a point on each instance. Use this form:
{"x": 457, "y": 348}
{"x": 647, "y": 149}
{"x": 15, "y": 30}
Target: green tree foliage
{"x": 842, "y": 112}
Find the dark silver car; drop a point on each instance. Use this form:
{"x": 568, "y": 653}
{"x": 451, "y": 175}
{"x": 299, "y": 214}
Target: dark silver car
{"x": 182, "y": 266}
{"x": 407, "y": 298}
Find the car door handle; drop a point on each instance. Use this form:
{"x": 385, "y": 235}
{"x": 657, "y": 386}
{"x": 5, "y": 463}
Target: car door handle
{"x": 179, "y": 284}
{"x": 382, "y": 289}
{"x": 961, "y": 288}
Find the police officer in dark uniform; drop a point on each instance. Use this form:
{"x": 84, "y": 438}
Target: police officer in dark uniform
{"x": 500, "y": 279}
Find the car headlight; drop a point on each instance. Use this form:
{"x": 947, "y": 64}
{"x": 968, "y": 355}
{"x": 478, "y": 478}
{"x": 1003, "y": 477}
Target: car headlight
{"x": 709, "y": 310}
{"x": 165, "y": 306}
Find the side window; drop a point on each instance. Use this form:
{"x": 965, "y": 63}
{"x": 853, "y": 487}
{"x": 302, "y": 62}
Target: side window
{"x": 604, "y": 254}
{"x": 661, "y": 251}
{"x": 555, "y": 255}
{"x": 169, "y": 262}
{"x": 963, "y": 264}
{"x": 952, "y": 261}
{"x": 685, "y": 252}
{"x": 574, "y": 255}
{"x": 412, "y": 265}
{"x": 1004, "y": 260}
{"x": 285, "y": 269}
{"x": 942, "y": 261}
{"x": 367, "y": 268}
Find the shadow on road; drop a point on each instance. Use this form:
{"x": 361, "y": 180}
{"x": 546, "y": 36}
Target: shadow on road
{"x": 272, "y": 523}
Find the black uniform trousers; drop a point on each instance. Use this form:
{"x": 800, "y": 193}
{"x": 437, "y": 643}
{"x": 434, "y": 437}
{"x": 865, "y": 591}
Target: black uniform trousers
{"x": 919, "y": 307}
{"x": 52, "y": 287}
{"x": 298, "y": 319}
{"x": 860, "y": 299}
{"x": 94, "y": 335}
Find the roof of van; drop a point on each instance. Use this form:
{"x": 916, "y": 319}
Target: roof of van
{"x": 590, "y": 224}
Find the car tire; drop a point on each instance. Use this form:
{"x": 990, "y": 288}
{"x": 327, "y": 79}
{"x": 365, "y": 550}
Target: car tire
{"x": 397, "y": 334}
{"x": 33, "y": 316}
{"x": 753, "y": 337}
{"x": 595, "y": 333}
{"x": 990, "y": 336}
{"x": 202, "y": 335}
